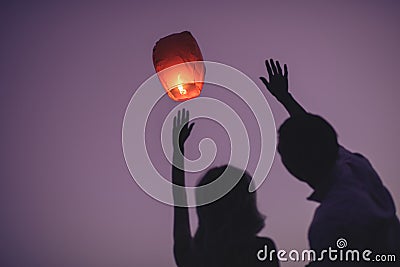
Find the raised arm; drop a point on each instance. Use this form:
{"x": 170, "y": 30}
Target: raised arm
{"x": 182, "y": 236}
{"x": 278, "y": 86}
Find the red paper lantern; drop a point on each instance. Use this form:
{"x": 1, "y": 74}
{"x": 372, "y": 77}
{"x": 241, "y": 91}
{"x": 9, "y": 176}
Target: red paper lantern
{"x": 184, "y": 81}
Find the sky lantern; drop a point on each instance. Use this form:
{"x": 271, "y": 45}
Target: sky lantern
{"x": 174, "y": 59}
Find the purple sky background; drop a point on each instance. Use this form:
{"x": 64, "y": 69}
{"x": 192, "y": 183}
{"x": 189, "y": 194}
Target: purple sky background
{"x": 67, "y": 73}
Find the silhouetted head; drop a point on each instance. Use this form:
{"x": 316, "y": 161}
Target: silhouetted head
{"x": 308, "y": 147}
{"x": 235, "y": 214}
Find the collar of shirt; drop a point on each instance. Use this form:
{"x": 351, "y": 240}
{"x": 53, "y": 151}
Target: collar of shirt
{"x": 327, "y": 182}
{"x": 321, "y": 190}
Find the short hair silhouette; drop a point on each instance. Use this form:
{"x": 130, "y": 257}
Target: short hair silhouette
{"x": 308, "y": 147}
{"x": 231, "y": 217}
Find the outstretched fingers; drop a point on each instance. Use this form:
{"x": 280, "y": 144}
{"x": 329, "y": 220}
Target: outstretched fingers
{"x": 269, "y": 70}
{"x": 286, "y": 71}
{"x": 278, "y": 66}
{"x": 186, "y": 120}
{"x": 274, "y": 70}
{"x": 182, "y": 119}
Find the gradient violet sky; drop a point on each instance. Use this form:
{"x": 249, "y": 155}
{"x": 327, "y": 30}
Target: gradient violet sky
{"x": 69, "y": 68}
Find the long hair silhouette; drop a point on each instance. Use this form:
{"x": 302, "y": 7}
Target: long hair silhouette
{"x": 234, "y": 215}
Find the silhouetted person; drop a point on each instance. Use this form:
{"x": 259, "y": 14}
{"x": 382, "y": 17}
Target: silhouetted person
{"x": 354, "y": 204}
{"x": 228, "y": 227}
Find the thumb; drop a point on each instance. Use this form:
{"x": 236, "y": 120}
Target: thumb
{"x": 191, "y": 127}
{"x": 264, "y": 81}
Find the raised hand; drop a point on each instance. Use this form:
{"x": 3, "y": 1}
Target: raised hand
{"x": 181, "y": 128}
{"x": 277, "y": 84}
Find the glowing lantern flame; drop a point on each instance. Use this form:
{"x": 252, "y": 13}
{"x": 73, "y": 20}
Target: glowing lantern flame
{"x": 181, "y": 89}
{"x": 178, "y": 61}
